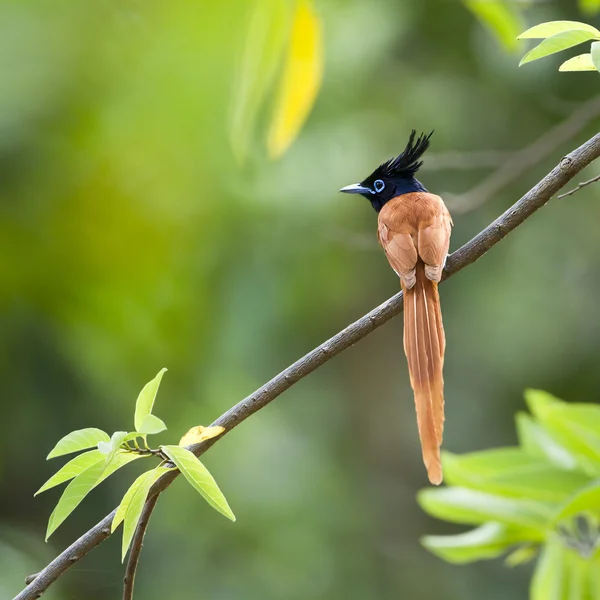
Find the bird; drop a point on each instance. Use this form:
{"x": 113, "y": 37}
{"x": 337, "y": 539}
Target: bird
{"x": 413, "y": 227}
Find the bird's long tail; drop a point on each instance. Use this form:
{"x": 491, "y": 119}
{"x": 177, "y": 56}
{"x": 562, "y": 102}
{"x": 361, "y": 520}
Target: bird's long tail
{"x": 424, "y": 345}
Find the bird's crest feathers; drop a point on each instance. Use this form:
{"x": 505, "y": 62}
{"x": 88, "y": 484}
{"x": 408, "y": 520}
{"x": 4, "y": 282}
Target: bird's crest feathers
{"x": 407, "y": 163}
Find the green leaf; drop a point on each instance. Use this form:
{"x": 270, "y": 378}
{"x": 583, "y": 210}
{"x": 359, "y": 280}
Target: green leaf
{"x": 558, "y": 42}
{"x": 487, "y": 541}
{"x": 130, "y": 509}
{"x": 546, "y": 30}
{"x": 521, "y": 555}
{"x": 73, "y": 468}
{"x": 512, "y": 472}
{"x": 120, "y": 460}
{"x": 539, "y": 400}
{"x": 587, "y": 500}
{"x": 81, "y": 486}
{"x": 575, "y": 426}
{"x": 145, "y": 401}
{"x": 589, "y": 7}
{"x": 300, "y": 81}
{"x": 596, "y": 55}
{"x": 133, "y": 435}
{"x": 74, "y": 493}
{"x": 111, "y": 447}
{"x": 199, "y": 477}
{"x": 126, "y": 500}
{"x": 152, "y": 424}
{"x": 82, "y": 439}
{"x": 471, "y": 507}
{"x": 268, "y": 30}
{"x": 594, "y": 576}
{"x": 501, "y": 18}
{"x": 582, "y": 62}
{"x": 536, "y": 441}
{"x": 561, "y": 574}
{"x": 548, "y": 578}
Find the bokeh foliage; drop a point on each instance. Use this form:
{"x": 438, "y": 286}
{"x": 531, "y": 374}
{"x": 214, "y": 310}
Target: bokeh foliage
{"x": 132, "y": 236}
{"x": 540, "y": 497}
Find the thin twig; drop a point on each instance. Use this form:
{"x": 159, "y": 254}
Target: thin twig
{"x": 579, "y": 186}
{"x": 136, "y": 547}
{"x": 568, "y": 168}
{"x": 520, "y": 162}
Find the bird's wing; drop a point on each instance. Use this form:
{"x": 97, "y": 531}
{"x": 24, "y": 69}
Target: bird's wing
{"x": 434, "y": 239}
{"x": 399, "y": 247}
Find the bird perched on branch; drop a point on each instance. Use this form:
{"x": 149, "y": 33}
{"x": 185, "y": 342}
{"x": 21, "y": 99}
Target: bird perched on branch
{"x": 414, "y": 231}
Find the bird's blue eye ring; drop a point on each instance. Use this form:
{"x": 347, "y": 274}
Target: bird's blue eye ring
{"x": 379, "y": 185}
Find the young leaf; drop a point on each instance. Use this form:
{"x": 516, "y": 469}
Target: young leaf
{"x": 73, "y": 468}
{"x": 521, "y": 555}
{"x": 110, "y": 448}
{"x": 152, "y": 424}
{"x": 596, "y": 55}
{"x": 199, "y": 477}
{"x": 300, "y": 81}
{"x": 471, "y": 507}
{"x": 558, "y": 42}
{"x": 582, "y": 62}
{"x": 74, "y": 493}
{"x": 512, "y": 472}
{"x": 487, "y": 541}
{"x": 268, "y": 29}
{"x": 82, "y": 439}
{"x": 587, "y": 500}
{"x": 81, "y": 486}
{"x": 539, "y": 400}
{"x": 120, "y": 459}
{"x": 130, "y": 509}
{"x": 575, "y": 426}
{"x": 133, "y": 435}
{"x": 548, "y": 579}
{"x": 594, "y": 576}
{"x": 536, "y": 441}
{"x": 199, "y": 434}
{"x": 546, "y": 30}
{"x": 500, "y": 17}
{"x": 145, "y": 401}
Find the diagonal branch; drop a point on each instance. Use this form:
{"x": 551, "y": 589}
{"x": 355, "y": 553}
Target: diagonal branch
{"x": 568, "y": 167}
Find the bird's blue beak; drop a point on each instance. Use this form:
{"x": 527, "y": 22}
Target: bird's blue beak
{"x": 356, "y": 188}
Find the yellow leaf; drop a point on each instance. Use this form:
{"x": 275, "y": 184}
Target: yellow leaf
{"x": 267, "y": 36}
{"x": 199, "y": 434}
{"x": 300, "y": 80}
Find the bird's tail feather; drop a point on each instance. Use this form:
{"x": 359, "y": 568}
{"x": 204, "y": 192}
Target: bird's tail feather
{"x": 424, "y": 345}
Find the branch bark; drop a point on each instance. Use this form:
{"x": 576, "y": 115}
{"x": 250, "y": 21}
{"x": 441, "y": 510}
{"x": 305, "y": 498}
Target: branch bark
{"x": 136, "y": 547}
{"x": 567, "y": 168}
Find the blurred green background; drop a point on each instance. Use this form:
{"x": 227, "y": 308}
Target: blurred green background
{"x": 132, "y": 237}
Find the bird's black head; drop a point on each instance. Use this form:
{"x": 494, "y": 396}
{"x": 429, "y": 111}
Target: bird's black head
{"x": 394, "y": 177}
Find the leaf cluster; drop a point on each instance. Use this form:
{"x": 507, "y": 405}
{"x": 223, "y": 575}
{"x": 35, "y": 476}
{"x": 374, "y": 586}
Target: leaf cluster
{"x": 105, "y": 454}
{"x": 542, "y": 497}
{"x": 560, "y": 35}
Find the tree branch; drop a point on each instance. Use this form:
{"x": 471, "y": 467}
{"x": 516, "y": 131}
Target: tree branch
{"x": 579, "y": 186}
{"x": 136, "y": 547}
{"x": 518, "y": 164}
{"x": 568, "y": 167}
